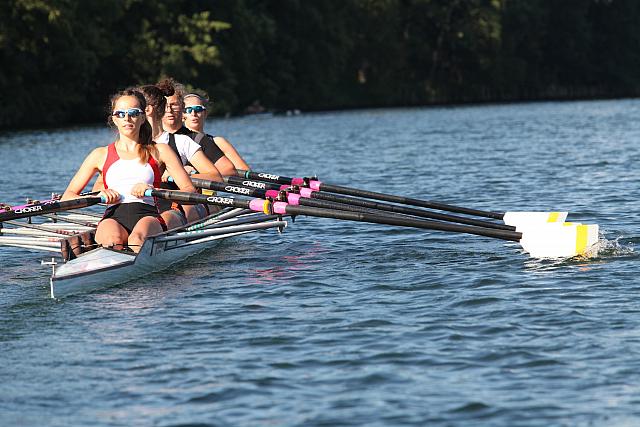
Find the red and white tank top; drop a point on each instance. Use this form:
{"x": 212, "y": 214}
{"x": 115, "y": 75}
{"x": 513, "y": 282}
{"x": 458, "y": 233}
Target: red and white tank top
{"x": 121, "y": 175}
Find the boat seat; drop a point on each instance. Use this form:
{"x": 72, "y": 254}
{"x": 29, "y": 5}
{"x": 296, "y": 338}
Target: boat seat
{"x": 77, "y": 244}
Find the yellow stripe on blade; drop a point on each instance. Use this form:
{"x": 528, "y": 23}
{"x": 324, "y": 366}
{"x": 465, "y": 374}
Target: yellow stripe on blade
{"x": 582, "y": 234}
{"x": 553, "y": 216}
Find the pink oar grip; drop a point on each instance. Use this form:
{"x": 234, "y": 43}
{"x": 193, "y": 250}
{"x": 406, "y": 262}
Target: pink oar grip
{"x": 280, "y": 207}
{"x": 297, "y": 181}
{"x": 257, "y": 205}
{"x": 306, "y": 192}
{"x": 315, "y": 185}
{"x": 284, "y": 187}
{"x": 294, "y": 199}
{"x": 272, "y": 193}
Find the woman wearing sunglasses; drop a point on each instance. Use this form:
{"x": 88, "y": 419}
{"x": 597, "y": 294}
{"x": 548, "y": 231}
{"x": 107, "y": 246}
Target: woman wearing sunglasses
{"x": 129, "y": 166}
{"x": 172, "y": 122}
{"x": 187, "y": 150}
{"x": 195, "y": 115}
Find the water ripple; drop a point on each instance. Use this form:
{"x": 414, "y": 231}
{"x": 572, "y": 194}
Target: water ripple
{"x": 351, "y": 324}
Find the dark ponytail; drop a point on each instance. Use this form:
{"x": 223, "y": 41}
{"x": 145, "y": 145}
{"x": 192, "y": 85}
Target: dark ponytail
{"x": 175, "y": 88}
{"x": 155, "y": 96}
{"x": 146, "y": 145}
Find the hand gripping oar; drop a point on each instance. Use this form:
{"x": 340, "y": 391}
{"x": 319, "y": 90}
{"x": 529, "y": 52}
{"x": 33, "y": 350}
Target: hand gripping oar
{"x": 368, "y": 204}
{"x": 45, "y": 207}
{"x": 510, "y": 218}
{"x": 557, "y": 240}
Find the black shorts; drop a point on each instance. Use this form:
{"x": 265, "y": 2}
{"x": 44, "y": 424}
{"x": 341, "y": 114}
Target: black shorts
{"x": 167, "y": 205}
{"x": 128, "y": 214}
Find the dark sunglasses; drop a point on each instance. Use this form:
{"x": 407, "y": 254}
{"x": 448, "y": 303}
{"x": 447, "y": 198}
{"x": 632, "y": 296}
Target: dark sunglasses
{"x": 132, "y": 112}
{"x": 195, "y": 109}
{"x": 172, "y": 107}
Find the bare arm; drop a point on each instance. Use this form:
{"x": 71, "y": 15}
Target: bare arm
{"x": 225, "y": 166}
{"x": 231, "y": 153}
{"x": 99, "y": 184}
{"x": 89, "y": 167}
{"x": 175, "y": 169}
{"x": 206, "y": 169}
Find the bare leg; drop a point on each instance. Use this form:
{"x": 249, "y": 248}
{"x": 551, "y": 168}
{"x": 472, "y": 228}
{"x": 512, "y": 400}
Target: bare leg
{"x": 173, "y": 218}
{"x": 194, "y": 212}
{"x": 147, "y": 226}
{"x": 111, "y": 234}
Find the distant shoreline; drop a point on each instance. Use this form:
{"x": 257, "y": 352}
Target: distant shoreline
{"x": 283, "y": 112}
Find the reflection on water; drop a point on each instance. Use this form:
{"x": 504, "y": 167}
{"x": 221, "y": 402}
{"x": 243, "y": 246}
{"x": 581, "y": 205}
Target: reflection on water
{"x": 289, "y": 266}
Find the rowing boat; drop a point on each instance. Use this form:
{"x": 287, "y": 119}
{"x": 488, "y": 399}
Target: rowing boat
{"x": 83, "y": 266}
{"x": 80, "y": 266}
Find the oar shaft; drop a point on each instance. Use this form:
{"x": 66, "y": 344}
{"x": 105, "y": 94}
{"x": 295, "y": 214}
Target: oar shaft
{"x": 195, "y": 198}
{"x": 261, "y": 185}
{"x": 291, "y": 198}
{"x": 260, "y": 205}
{"x": 40, "y": 228}
{"x": 280, "y": 207}
{"x": 229, "y": 188}
{"x": 45, "y": 207}
{"x": 321, "y": 186}
{"x": 261, "y": 176}
{"x": 322, "y": 195}
{"x": 407, "y": 201}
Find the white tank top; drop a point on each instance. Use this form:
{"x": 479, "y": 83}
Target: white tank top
{"x": 121, "y": 175}
{"x": 186, "y": 146}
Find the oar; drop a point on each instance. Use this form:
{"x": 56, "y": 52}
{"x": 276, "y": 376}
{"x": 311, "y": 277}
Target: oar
{"x": 40, "y": 228}
{"x": 552, "y": 240}
{"x": 284, "y": 208}
{"x": 368, "y": 204}
{"x": 306, "y": 197}
{"x": 47, "y": 206}
{"x": 291, "y": 198}
{"x": 296, "y": 199}
{"x": 277, "y": 195}
{"x": 510, "y": 218}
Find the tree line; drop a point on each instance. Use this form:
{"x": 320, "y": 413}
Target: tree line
{"x": 61, "y": 59}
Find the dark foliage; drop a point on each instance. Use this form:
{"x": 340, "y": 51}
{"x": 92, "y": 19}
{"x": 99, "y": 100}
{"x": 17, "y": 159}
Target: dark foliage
{"x": 62, "y": 59}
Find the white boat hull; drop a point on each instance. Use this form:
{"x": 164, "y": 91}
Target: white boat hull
{"x": 103, "y": 267}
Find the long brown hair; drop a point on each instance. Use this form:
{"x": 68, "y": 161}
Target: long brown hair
{"x": 146, "y": 145}
{"x": 155, "y": 96}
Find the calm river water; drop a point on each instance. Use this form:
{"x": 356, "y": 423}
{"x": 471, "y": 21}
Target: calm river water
{"x": 349, "y": 324}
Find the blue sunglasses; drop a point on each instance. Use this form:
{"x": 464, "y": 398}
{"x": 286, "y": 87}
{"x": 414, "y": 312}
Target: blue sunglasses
{"x": 132, "y": 112}
{"x": 195, "y": 109}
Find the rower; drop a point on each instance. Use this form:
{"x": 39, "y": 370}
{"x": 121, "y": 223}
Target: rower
{"x": 172, "y": 122}
{"x": 189, "y": 152}
{"x": 195, "y": 116}
{"x": 129, "y": 166}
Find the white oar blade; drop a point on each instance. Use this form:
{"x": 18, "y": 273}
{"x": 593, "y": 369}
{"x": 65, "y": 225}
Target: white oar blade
{"x": 559, "y": 240}
{"x": 525, "y": 219}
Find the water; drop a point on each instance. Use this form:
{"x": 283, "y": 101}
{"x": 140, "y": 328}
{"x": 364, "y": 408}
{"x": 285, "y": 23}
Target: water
{"x": 349, "y": 324}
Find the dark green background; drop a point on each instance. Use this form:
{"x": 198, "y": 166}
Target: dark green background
{"x": 62, "y": 59}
